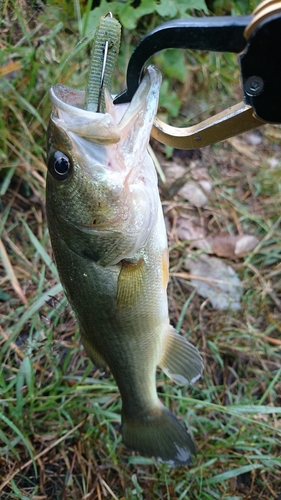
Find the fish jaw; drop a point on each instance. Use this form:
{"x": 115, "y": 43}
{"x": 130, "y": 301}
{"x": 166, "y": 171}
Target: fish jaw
{"x": 70, "y": 115}
{"x": 114, "y": 182}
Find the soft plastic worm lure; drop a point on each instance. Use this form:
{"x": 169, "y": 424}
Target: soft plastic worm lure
{"x": 103, "y": 61}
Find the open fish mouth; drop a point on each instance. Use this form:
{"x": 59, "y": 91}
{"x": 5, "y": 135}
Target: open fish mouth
{"x": 70, "y": 114}
{"x": 112, "y": 126}
{"x": 66, "y": 98}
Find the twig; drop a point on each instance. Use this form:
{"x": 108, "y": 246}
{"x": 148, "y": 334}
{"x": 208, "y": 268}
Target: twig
{"x": 41, "y": 454}
{"x": 11, "y": 274}
{"x": 210, "y": 281}
{"x": 18, "y": 352}
{"x": 108, "y": 488}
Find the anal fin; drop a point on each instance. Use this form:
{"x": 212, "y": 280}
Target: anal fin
{"x": 181, "y": 361}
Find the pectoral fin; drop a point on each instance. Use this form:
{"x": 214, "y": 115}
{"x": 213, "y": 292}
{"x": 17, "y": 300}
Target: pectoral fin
{"x": 131, "y": 283}
{"x": 181, "y": 361}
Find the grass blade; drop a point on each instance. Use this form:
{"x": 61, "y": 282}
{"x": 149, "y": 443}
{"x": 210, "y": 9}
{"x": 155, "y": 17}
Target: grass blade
{"x": 17, "y": 431}
{"x": 232, "y": 473}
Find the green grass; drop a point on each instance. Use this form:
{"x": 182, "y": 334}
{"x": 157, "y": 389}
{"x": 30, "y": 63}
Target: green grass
{"x": 59, "y": 415}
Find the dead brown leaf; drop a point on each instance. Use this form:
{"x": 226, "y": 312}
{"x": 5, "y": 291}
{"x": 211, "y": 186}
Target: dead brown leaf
{"x": 232, "y": 246}
{"x": 222, "y": 244}
{"x": 187, "y": 230}
{"x": 221, "y": 285}
{"x": 242, "y": 148}
{"x": 196, "y": 193}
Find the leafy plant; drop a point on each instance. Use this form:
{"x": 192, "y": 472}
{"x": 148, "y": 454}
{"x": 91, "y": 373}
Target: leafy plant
{"x": 130, "y": 13}
{"x": 234, "y": 7}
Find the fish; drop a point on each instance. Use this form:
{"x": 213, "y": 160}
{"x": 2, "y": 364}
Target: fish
{"x": 110, "y": 247}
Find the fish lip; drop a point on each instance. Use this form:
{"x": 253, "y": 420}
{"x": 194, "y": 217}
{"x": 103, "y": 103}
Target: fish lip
{"x": 69, "y": 100}
{"x": 107, "y": 128}
{"x": 69, "y": 113}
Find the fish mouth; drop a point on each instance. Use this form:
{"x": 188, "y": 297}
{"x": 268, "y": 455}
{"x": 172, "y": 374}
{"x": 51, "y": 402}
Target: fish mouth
{"x": 116, "y": 124}
{"x": 68, "y": 99}
{"x": 70, "y": 115}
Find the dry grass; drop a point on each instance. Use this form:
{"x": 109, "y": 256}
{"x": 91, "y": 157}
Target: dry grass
{"x": 59, "y": 416}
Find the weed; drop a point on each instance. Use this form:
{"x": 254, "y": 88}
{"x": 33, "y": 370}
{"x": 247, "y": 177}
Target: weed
{"x": 59, "y": 415}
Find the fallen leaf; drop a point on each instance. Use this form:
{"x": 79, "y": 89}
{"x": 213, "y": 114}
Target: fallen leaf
{"x": 242, "y": 148}
{"x": 245, "y": 244}
{"x": 173, "y": 171}
{"x": 232, "y": 246}
{"x": 195, "y": 193}
{"x": 178, "y": 182}
{"x": 216, "y": 281}
{"x": 225, "y": 245}
{"x": 199, "y": 173}
{"x": 187, "y": 230}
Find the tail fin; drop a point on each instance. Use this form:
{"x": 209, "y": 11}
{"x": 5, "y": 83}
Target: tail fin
{"x": 161, "y": 435}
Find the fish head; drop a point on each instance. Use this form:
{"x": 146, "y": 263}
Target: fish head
{"x": 100, "y": 176}
{"x": 76, "y": 157}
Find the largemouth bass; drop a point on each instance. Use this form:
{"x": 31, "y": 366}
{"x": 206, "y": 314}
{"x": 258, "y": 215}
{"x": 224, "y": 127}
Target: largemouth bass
{"x": 110, "y": 247}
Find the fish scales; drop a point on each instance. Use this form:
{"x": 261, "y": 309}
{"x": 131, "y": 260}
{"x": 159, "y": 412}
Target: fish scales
{"x": 109, "y": 241}
{"x": 99, "y": 306}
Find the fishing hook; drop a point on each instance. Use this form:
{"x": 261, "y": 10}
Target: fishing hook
{"x": 105, "y": 53}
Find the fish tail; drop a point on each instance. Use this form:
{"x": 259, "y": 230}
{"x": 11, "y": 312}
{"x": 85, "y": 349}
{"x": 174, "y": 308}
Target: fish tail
{"x": 159, "y": 433}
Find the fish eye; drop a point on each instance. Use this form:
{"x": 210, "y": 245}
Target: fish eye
{"x": 59, "y": 165}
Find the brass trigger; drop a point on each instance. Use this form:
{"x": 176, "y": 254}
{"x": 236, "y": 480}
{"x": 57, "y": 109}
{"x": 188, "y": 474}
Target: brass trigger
{"x": 232, "y": 121}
